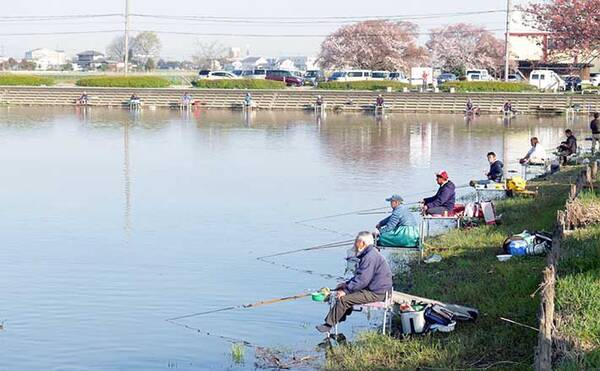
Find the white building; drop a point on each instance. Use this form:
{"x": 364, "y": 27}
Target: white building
{"x": 303, "y": 63}
{"x": 250, "y": 63}
{"x": 46, "y": 58}
{"x": 90, "y": 59}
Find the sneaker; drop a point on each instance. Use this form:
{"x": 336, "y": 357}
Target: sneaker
{"x": 323, "y": 328}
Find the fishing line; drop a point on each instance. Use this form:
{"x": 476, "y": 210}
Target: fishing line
{"x": 330, "y": 245}
{"x": 325, "y": 229}
{"x": 307, "y": 271}
{"x": 207, "y": 333}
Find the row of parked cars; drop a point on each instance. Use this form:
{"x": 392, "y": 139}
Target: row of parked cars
{"x": 542, "y": 79}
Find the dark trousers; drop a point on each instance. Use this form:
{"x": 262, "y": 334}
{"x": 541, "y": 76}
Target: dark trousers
{"x": 343, "y": 306}
{"x": 437, "y": 210}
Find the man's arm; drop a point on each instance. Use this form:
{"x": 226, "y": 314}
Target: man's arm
{"x": 391, "y": 223}
{"x": 383, "y": 222}
{"x": 362, "y": 278}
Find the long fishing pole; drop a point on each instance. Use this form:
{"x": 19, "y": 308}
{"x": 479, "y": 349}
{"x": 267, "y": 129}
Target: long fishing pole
{"x": 318, "y": 247}
{"x": 245, "y": 306}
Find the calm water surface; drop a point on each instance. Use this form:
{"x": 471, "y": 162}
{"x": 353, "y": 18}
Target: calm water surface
{"x": 113, "y": 222}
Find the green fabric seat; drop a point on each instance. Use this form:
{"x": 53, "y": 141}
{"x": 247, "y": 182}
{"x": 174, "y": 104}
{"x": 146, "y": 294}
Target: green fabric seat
{"x": 403, "y": 236}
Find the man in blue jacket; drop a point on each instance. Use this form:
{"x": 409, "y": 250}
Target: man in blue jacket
{"x": 444, "y": 199}
{"x": 371, "y": 282}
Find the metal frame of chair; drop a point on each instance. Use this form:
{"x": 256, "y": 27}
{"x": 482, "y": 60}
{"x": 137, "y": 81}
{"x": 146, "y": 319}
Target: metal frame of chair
{"x": 387, "y": 306}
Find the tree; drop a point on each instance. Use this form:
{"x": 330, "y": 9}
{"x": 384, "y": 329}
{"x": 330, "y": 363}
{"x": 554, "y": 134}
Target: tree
{"x": 116, "y": 49}
{"x": 374, "y": 45}
{"x": 461, "y": 46}
{"x": 150, "y": 65}
{"x": 572, "y": 24}
{"x": 207, "y": 54}
{"x": 146, "y": 45}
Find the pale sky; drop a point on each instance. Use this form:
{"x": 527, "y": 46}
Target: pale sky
{"x": 177, "y": 46}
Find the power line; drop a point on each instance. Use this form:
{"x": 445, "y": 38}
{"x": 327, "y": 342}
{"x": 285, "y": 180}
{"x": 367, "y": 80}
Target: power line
{"x": 58, "y": 33}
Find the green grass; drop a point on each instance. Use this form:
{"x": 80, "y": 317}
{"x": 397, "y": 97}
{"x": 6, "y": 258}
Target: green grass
{"x": 124, "y": 82}
{"x": 578, "y": 296}
{"x": 25, "y": 80}
{"x": 470, "y": 274}
{"x": 487, "y": 86}
{"x": 238, "y": 84}
{"x": 363, "y": 85}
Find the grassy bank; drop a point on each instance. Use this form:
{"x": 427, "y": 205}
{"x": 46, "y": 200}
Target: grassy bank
{"x": 471, "y": 275}
{"x": 578, "y": 296}
{"x": 124, "y": 82}
{"x": 487, "y": 86}
{"x": 25, "y": 80}
{"x": 372, "y": 85}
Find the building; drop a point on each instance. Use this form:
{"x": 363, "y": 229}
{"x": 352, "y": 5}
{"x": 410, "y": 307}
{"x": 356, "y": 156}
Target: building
{"x": 531, "y": 49}
{"x": 90, "y": 59}
{"x": 250, "y": 63}
{"x": 303, "y": 63}
{"x": 45, "y": 59}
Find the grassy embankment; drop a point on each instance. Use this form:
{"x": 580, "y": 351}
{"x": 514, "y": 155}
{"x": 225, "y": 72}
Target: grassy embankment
{"x": 373, "y": 85}
{"x": 124, "y": 82}
{"x": 487, "y": 86}
{"x": 25, "y": 80}
{"x": 471, "y": 275}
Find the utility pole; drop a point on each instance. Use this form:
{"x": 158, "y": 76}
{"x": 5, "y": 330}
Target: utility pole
{"x": 126, "y": 37}
{"x": 506, "y": 49}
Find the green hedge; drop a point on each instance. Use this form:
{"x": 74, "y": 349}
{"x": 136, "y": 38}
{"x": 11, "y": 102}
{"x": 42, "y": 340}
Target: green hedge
{"x": 238, "y": 84}
{"x": 363, "y": 85}
{"x": 25, "y": 80}
{"x": 486, "y": 86}
{"x": 124, "y": 82}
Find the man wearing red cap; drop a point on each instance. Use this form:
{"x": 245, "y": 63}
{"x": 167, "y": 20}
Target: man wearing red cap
{"x": 443, "y": 201}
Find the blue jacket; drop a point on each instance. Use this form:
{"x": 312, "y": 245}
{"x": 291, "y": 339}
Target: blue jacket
{"x": 373, "y": 273}
{"x": 401, "y": 216}
{"x": 444, "y": 197}
{"x": 496, "y": 171}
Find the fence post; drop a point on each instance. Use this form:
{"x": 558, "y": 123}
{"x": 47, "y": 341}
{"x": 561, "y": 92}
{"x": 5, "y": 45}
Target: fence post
{"x": 594, "y": 170}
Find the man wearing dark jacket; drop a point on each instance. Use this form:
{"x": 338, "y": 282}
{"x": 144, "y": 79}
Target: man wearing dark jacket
{"x": 444, "y": 199}
{"x": 595, "y": 127}
{"x": 371, "y": 282}
{"x": 568, "y": 147}
{"x": 496, "y": 168}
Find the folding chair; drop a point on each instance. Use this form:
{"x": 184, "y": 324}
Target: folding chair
{"x": 386, "y": 306}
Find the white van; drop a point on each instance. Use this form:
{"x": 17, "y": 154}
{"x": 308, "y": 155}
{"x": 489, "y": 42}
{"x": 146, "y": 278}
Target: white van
{"x": 546, "y": 80}
{"x": 478, "y": 75}
{"x": 380, "y": 75}
{"x": 351, "y": 75}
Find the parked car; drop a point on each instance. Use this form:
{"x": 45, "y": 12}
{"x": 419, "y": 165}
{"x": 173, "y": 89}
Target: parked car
{"x": 351, "y": 75}
{"x": 445, "y": 77}
{"x": 203, "y": 74}
{"x": 573, "y": 83}
{"x": 237, "y": 72}
{"x": 288, "y": 77}
{"x": 398, "y": 76}
{"x": 313, "y": 77}
{"x": 380, "y": 75}
{"x": 259, "y": 73}
{"x": 595, "y": 79}
{"x": 478, "y": 75}
{"x": 221, "y": 75}
{"x": 513, "y": 77}
{"x": 546, "y": 80}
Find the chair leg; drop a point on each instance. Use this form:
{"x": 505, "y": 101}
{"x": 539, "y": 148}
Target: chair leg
{"x": 384, "y": 320}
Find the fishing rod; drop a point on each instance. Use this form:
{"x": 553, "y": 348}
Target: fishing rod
{"x": 251, "y": 305}
{"x": 318, "y": 247}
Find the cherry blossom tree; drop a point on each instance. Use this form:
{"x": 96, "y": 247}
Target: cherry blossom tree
{"x": 373, "y": 45}
{"x": 573, "y": 26}
{"x": 460, "y": 46}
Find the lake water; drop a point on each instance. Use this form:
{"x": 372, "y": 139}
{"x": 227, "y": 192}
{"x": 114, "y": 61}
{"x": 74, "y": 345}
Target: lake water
{"x": 113, "y": 222}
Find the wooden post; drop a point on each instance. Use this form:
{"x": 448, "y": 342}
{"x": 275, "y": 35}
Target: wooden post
{"x": 589, "y": 178}
{"x": 543, "y": 356}
{"x": 594, "y": 170}
{"x": 573, "y": 192}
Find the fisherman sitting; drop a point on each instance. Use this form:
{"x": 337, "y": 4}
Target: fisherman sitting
{"x": 496, "y": 172}
{"x": 508, "y": 108}
{"x": 536, "y": 155}
{"x": 443, "y": 201}
{"x": 186, "y": 100}
{"x": 379, "y": 102}
{"x": 83, "y": 99}
{"x": 248, "y": 102}
{"x": 371, "y": 282}
{"x": 399, "y": 229}
{"x": 568, "y": 147}
{"x": 471, "y": 109}
{"x": 319, "y": 103}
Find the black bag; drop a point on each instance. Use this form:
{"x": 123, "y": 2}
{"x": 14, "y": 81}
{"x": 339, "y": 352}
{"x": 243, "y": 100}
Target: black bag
{"x": 437, "y": 314}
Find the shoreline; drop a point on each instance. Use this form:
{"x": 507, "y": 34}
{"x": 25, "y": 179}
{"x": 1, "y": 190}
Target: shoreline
{"x": 489, "y": 103}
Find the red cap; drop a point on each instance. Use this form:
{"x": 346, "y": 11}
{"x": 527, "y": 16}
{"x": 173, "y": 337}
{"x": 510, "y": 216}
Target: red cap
{"x": 442, "y": 174}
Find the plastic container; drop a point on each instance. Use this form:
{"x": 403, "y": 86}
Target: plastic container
{"x": 518, "y": 248}
{"x": 413, "y": 322}
{"x": 318, "y": 296}
{"x": 441, "y": 328}
{"x": 503, "y": 257}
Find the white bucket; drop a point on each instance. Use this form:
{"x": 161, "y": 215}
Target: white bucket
{"x": 413, "y": 322}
